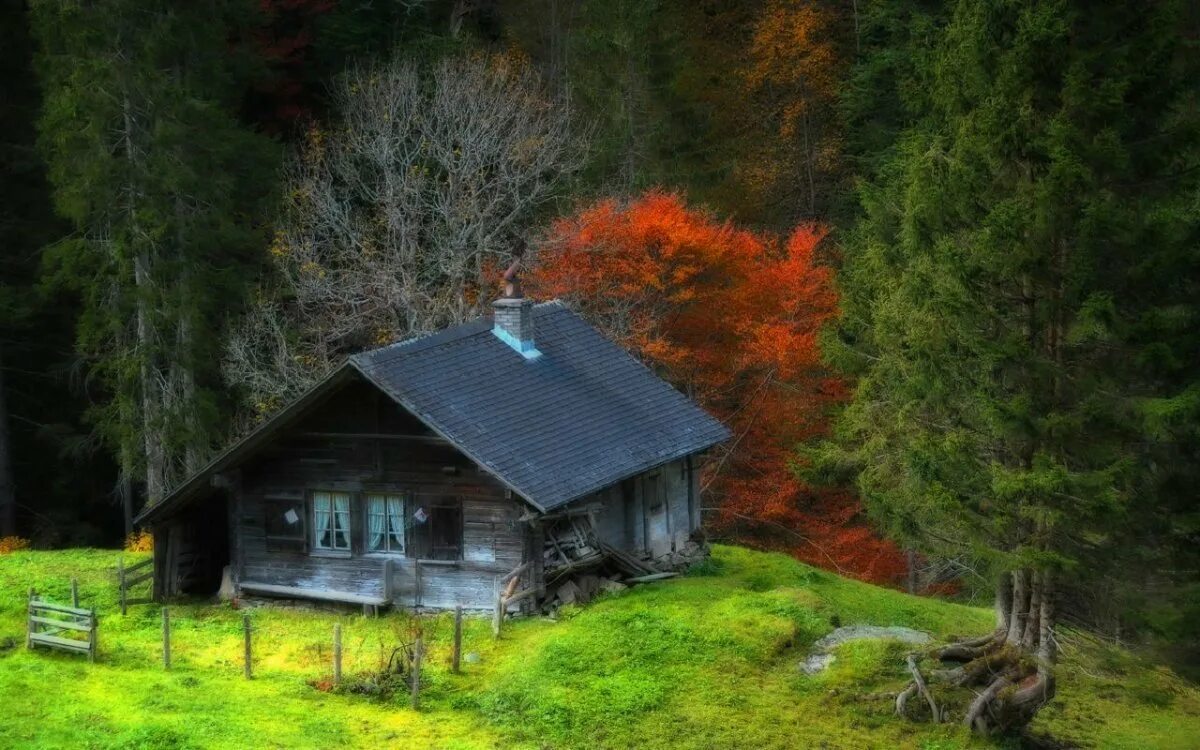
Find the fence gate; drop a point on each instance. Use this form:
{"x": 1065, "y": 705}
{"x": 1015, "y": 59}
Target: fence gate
{"x": 128, "y": 577}
{"x": 61, "y": 627}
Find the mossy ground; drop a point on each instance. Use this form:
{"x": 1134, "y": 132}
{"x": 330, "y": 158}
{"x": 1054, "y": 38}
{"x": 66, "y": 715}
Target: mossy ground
{"x": 707, "y": 661}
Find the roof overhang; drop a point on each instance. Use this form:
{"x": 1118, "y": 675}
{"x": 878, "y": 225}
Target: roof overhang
{"x": 200, "y": 484}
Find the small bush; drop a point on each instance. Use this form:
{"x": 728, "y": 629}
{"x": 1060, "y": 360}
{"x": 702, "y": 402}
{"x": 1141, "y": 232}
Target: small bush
{"x": 709, "y": 566}
{"x": 13, "y": 544}
{"x": 139, "y": 541}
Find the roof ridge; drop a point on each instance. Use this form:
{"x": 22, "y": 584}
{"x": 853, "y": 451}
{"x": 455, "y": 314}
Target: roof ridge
{"x": 445, "y": 335}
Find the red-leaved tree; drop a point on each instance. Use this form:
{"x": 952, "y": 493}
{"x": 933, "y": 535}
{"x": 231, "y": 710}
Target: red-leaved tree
{"x": 731, "y": 317}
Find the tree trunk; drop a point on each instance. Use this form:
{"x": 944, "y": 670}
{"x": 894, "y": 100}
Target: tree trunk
{"x": 1019, "y": 607}
{"x": 151, "y": 389}
{"x": 1010, "y": 671}
{"x": 1047, "y": 646}
{"x": 125, "y": 489}
{"x": 1029, "y": 639}
{"x": 1003, "y": 602}
{"x": 8, "y": 492}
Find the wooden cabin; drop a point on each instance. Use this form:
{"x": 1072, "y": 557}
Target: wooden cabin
{"x": 423, "y": 473}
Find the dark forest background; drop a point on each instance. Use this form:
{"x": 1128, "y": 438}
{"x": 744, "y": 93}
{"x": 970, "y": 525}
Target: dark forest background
{"x": 956, "y": 245}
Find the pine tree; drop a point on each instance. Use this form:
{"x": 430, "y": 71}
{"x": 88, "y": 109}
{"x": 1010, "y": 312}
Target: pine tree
{"x": 161, "y": 184}
{"x": 1019, "y": 303}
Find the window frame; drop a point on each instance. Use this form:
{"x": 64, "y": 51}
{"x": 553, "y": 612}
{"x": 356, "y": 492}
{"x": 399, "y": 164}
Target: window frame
{"x": 429, "y": 502}
{"x": 405, "y": 497}
{"x": 315, "y": 549}
{"x": 277, "y": 543}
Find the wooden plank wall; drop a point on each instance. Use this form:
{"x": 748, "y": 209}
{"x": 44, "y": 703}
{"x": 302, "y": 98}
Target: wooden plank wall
{"x": 625, "y": 522}
{"x": 361, "y": 442}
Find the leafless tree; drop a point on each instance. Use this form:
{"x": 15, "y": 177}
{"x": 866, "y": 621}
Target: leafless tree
{"x": 393, "y": 217}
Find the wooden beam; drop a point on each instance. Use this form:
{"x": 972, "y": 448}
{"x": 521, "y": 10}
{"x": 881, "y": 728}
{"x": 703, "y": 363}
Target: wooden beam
{"x": 430, "y": 439}
{"x": 61, "y": 624}
{"x": 68, "y": 643}
{"x": 38, "y": 604}
{"x": 296, "y": 592}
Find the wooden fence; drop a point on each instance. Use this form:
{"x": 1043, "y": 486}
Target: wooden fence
{"x": 61, "y": 627}
{"x": 129, "y": 577}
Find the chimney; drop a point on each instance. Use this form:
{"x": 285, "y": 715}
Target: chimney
{"x": 513, "y": 314}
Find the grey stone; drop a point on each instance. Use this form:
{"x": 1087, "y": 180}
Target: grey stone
{"x": 816, "y": 662}
{"x": 820, "y": 658}
{"x": 860, "y": 632}
{"x": 472, "y": 657}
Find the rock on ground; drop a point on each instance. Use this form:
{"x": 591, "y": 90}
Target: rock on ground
{"x": 820, "y": 658}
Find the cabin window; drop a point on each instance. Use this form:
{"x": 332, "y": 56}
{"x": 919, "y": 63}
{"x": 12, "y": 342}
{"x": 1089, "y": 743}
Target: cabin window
{"x": 385, "y": 523}
{"x": 436, "y": 529}
{"x": 331, "y": 521}
{"x": 284, "y": 525}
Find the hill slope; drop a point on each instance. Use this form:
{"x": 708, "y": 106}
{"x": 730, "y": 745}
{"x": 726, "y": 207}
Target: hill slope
{"x": 708, "y": 661}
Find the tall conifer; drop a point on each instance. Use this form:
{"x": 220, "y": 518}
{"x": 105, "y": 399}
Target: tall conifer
{"x": 161, "y": 184}
{"x": 1019, "y": 308}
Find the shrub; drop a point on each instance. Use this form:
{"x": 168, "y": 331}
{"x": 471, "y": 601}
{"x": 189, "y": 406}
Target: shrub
{"x": 139, "y": 541}
{"x": 12, "y": 544}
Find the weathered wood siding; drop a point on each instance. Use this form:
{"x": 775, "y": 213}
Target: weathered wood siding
{"x": 362, "y": 442}
{"x": 626, "y": 516}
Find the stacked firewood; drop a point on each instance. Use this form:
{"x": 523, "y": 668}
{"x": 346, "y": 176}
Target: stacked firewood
{"x": 578, "y": 565}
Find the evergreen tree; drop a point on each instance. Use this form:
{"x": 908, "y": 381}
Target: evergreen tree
{"x": 1019, "y": 309}
{"x": 162, "y": 187}
{"x": 53, "y": 485}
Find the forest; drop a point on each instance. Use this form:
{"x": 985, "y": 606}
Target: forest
{"x": 935, "y": 263}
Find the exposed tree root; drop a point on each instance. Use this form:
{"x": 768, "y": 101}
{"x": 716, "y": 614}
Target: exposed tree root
{"x": 973, "y": 649}
{"x": 902, "y": 698}
{"x": 975, "y": 718}
{"x": 1009, "y": 688}
{"x": 1010, "y": 670}
{"x": 919, "y": 681}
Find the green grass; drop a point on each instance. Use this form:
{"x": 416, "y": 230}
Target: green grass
{"x": 707, "y": 661}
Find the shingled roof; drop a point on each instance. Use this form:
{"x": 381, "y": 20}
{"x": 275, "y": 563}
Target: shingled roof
{"x": 579, "y": 416}
{"x": 554, "y": 428}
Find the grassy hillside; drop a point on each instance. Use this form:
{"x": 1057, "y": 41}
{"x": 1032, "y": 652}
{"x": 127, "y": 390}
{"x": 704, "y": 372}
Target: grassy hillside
{"x": 708, "y": 661}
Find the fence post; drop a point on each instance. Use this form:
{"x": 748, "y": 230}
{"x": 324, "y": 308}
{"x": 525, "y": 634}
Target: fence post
{"x": 75, "y": 592}
{"x": 337, "y": 653}
{"x": 418, "y": 647}
{"x": 29, "y": 625}
{"x": 498, "y": 615}
{"x": 457, "y": 654}
{"x": 417, "y": 585}
{"x": 246, "y": 635}
{"x": 92, "y": 637}
{"x": 166, "y": 615}
{"x": 121, "y": 581}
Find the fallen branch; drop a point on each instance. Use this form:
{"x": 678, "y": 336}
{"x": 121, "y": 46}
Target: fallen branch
{"x": 919, "y": 681}
{"x": 902, "y": 698}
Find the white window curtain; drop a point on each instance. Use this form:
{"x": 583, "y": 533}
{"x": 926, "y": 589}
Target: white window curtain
{"x": 322, "y": 521}
{"x": 376, "y": 522}
{"x": 395, "y": 517}
{"x": 331, "y": 521}
{"x": 385, "y": 523}
{"x": 341, "y": 521}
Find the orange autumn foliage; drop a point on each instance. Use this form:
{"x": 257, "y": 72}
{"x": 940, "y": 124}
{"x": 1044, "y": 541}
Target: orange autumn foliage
{"x": 792, "y": 69}
{"x": 731, "y": 317}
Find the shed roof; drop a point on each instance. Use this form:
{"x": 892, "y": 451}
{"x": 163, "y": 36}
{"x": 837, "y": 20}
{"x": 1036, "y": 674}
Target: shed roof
{"x": 557, "y": 427}
{"x": 554, "y": 428}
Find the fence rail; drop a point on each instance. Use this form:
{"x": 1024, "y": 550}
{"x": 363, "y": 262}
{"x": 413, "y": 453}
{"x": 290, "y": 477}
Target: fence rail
{"x": 126, "y": 580}
{"x": 55, "y": 626}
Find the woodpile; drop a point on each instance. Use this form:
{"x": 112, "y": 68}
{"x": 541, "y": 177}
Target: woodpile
{"x": 579, "y": 565}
